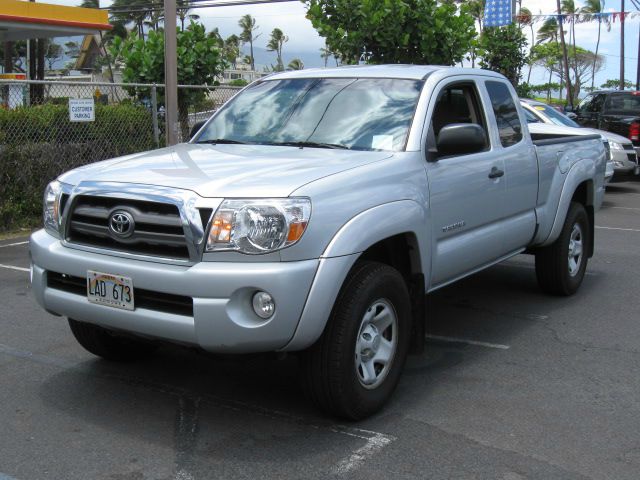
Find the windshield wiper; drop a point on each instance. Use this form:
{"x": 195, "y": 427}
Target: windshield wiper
{"x": 221, "y": 141}
{"x": 310, "y": 144}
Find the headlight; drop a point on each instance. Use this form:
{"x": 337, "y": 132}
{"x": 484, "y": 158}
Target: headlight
{"x": 258, "y": 225}
{"x": 616, "y": 146}
{"x": 51, "y": 207}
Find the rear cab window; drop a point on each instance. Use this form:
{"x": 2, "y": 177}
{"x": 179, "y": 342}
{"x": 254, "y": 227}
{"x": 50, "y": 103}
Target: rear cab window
{"x": 506, "y": 113}
{"x": 623, "y": 103}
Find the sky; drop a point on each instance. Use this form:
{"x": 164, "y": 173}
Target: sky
{"x": 304, "y": 40}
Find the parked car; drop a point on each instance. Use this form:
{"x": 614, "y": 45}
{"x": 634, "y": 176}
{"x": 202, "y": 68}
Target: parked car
{"x": 311, "y": 214}
{"x": 614, "y": 111}
{"x": 623, "y": 154}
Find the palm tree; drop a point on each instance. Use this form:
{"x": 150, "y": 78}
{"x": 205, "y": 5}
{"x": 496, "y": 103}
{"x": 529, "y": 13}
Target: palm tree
{"x": 231, "y": 49}
{"x": 548, "y": 33}
{"x": 277, "y": 40}
{"x": 525, "y": 17}
{"x": 569, "y": 8}
{"x": 595, "y": 8}
{"x": 325, "y": 53}
{"x": 295, "y": 64}
{"x": 183, "y": 12}
{"x": 564, "y": 53}
{"x": 248, "y": 25}
{"x": 476, "y": 10}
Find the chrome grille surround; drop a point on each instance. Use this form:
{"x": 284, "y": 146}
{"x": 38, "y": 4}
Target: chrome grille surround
{"x": 193, "y": 216}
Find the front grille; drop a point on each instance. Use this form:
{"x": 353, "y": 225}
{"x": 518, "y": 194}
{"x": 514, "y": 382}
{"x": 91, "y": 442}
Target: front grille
{"x": 148, "y": 299}
{"x": 632, "y": 157}
{"x": 158, "y": 228}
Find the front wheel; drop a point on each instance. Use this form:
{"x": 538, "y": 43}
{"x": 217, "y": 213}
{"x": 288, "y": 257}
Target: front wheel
{"x": 561, "y": 266}
{"x": 108, "y": 345}
{"x": 353, "y": 369}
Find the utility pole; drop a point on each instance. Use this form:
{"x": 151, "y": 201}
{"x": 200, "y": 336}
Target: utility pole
{"x": 170, "y": 72}
{"x": 564, "y": 55}
{"x": 638, "y": 66}
{"x": 621, "y": 44}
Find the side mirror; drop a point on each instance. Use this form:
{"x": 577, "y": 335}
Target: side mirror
{"x": 572, "y": 115}
{"x": 197, "y": 126}
{"x": 460, "y": 139}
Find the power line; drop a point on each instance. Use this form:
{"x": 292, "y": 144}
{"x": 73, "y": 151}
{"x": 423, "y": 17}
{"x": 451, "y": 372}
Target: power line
{"x": 192, "y": 5}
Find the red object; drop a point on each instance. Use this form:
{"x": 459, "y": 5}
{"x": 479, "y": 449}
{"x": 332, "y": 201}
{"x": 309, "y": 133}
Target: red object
{"x": 634, "y": 132}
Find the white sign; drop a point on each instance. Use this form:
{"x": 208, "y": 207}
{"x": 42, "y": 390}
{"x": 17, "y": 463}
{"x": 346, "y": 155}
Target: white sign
{"x": 82, "y": 110}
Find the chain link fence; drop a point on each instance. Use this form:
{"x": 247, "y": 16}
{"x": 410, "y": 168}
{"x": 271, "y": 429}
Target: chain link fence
{"x": 49, "y": 127}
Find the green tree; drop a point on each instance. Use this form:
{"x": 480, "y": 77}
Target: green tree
{"x": 614, "y": 83}
{"x": 231, "y": 49}
{"x": 183, "y": 10}
{"x": 52, "y": 53}
{"x": 502, "y": 49}
{"x": 200, "y": 62}
{"x": 525, "y": 18}
{"x": 393, "y": 31}
{"x": 276, "y": 42}
{"x": 248, "y": 25}
{"x": 295, "y": 64}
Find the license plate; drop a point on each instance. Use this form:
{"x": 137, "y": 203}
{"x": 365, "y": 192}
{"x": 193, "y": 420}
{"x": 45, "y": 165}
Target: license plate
{"x": 110, "y": 290}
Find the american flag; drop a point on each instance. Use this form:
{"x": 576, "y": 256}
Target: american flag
{"x": 497, "y": 13}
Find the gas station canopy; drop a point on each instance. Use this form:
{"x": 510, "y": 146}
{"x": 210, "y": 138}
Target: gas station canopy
{"x": 21, "y": 20}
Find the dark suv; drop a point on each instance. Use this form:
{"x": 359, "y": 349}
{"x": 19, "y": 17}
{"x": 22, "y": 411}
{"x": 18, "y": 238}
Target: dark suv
{"x": 614, "y": 111}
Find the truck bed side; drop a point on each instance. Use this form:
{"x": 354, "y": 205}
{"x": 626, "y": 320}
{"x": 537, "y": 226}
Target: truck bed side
{"x": 567, "y": 166}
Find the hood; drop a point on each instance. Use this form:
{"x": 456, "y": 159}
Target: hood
{"x": 226, "y": 170}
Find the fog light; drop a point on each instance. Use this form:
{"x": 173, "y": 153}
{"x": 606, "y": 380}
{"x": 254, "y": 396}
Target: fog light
{"x": 263, "y": 304}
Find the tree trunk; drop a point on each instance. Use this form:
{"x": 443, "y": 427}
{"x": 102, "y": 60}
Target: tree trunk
{"x": 622, "y": 45}
{"x": 595, "y": 58}
{"x": 253, "y": 65}
{"x": 564, "y": 55}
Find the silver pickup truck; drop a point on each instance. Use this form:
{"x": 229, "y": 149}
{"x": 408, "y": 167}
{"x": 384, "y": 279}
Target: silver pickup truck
{"x": 311, "y": 214}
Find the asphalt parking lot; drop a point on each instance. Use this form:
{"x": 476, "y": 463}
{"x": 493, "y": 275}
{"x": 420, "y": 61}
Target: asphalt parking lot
{"x": 513, "y": 385}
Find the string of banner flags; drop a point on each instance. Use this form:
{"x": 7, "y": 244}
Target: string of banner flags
{"x": 498, "y": 13}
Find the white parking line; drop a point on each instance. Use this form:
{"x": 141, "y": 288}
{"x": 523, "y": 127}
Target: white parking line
{"x": 14, "y": 244}
{"x": 622, "y": 229}
{"x": 625, "y": 208}
{"x": 374, "y": 444}
{"x": 6, "y": 477}
{"x": 12, "y": 267}
{"x": 468, "y": 342}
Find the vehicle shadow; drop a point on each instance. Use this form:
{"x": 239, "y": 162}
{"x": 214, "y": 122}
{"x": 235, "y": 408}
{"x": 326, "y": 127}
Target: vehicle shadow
{"x": 241, "y": 399}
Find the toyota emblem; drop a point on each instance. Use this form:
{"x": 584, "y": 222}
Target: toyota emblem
{"x": 121, "y": 224}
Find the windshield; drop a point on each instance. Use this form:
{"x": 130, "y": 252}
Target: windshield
{"x": 359, "y": 114}
{"x": 555, "y": 116}
{"x": 622, "y": 104}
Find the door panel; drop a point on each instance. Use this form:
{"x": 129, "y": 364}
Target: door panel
{"x": 465, "y": 209}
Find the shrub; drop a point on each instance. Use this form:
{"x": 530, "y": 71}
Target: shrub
{"x": 39, "y": 143}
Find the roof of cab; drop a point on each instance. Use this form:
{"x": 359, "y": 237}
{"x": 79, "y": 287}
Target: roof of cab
{"x": 412, "y": 72}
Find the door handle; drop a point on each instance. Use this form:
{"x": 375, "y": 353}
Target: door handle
{"x": 496, "y": 173}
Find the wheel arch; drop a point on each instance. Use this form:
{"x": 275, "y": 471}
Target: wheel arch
{"x": 386, "y": 234}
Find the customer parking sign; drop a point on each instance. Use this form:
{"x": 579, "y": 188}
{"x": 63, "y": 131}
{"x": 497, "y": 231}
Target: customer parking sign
{"x": 82, "y": 110}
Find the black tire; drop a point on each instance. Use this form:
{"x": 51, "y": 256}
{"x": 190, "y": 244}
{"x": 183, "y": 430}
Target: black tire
{"x": 105, "y": 344}
{"x": 552, "y": 262}
{"x": 329, "y": 373}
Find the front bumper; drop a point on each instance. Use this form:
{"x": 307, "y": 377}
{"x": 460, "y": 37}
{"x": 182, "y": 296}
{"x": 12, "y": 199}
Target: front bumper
{"x": 223, "y": 319}
{"x": 622, "y": 163}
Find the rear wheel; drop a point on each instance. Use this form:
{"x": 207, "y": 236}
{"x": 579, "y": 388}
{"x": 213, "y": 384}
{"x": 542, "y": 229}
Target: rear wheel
{"x": 354, "y": 367}
{"x": 108, "y": 345}
{"x": 560, "y": 267}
